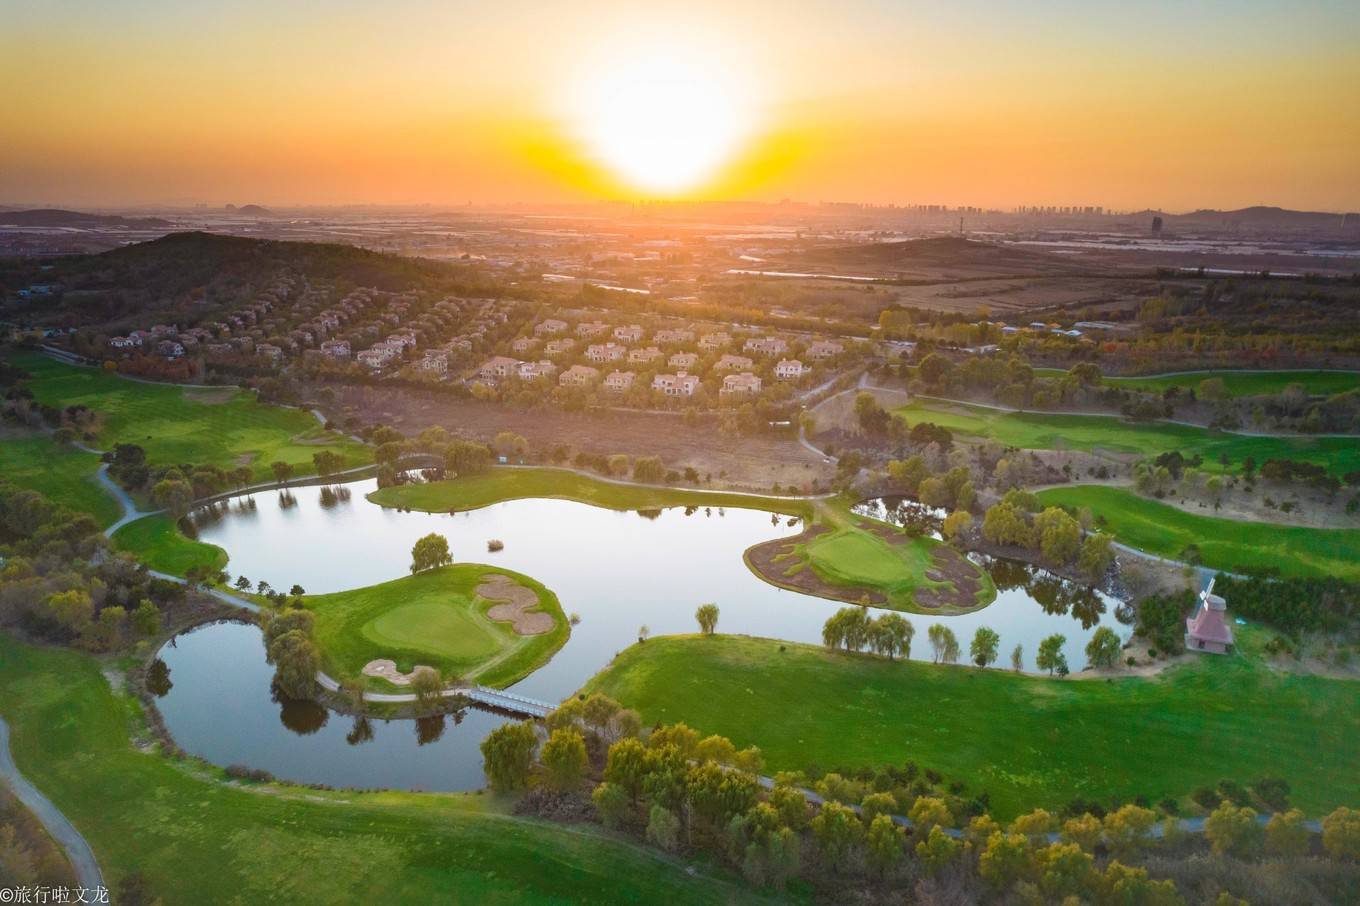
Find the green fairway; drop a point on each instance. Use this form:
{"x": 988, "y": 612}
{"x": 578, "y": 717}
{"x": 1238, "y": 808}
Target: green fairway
{"x": 437, "y": 619}
{"x": 200, "y": 839}
{"x": 1043, "y": 431}
{"x": 859, "y": 557}
{"x": 1028, "y": 741}
{"x": 1238, "y": 383}
{"x": 501, "y": 484}
{"x": 157, "y": 542}
{"x": 225, "y": 426}
{"x": 65, "y": 475}
{"x": 1157, "y": 528}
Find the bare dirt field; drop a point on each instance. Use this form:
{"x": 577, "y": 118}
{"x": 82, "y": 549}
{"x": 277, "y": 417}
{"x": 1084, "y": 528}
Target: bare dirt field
{"x": 741, "y": 462}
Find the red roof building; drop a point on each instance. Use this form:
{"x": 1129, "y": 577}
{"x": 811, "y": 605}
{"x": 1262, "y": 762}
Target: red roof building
{"x": 1208, "y": 629}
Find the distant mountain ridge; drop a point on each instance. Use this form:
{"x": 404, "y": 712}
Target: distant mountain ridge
{"x": 57, "y": 217}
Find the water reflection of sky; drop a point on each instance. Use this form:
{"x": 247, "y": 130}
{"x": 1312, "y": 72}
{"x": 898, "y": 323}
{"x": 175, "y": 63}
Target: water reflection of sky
{"x": 618, "y": 570}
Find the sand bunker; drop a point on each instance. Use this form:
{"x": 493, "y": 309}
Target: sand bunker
{"x": 518, "y": 601}
{"x": 385, "y": 669}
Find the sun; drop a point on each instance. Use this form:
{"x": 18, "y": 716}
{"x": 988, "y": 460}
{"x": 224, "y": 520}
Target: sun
{"x": 663, "y": 119}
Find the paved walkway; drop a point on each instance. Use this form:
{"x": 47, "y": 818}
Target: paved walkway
{"x": 63, "y": 831}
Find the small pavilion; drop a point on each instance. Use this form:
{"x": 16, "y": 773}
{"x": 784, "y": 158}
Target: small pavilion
{"x": 1208, "y": 629}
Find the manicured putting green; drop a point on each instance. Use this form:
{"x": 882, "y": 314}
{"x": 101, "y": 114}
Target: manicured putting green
{"x": 858, "y": 557}
{"x": 1045, "y": 431}
{"x": 436, "y": 619}
{"x": 1229, "y": 544}
{"x": 440, "y": 628}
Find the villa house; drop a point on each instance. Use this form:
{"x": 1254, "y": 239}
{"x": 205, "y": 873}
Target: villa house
{"x": 644, "y": 356}
{"x": 605, "y": 352}
{"x": 680, "y": 384}
{"x": 711, "y": 341}
{"x": 1208, "y": 629}
{"x": 588, "y": 329}
{"x": 559, "y": 347}
{"x": 524, "y": 344}
{"x": 498, "y": 367}
{"x": 790, "y": 369}
{"x": 269, "y": 351}
{"x": 683, "y": 361}
{"x": 619, "y": 381}
{"x": 766, "y": 346}
{"x": 436, "y": 362}
{"x": 579, "y": 376}
{"x": 825, "y": 349}
{"x": 373, "y": 358}
{"x": 533, "y": 371}
{"x": 745, "y": 384}
{"x": 550, "y": 326}
{"x": 630, "y": 334}
{"x": 673, "y": 337}
{"x": 335, "y": 349}
{"x": 730, "y": 362}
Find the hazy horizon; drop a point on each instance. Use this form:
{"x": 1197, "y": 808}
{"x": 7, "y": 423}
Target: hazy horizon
{"x": 1221, "y": 106}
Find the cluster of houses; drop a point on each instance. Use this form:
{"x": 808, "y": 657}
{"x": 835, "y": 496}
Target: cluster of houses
{"x": 613, "y": 357}
{"x": 369, "y": 327}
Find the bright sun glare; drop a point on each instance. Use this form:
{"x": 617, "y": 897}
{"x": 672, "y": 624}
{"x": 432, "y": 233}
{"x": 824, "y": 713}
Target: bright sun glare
{"x": 662, "y": 119}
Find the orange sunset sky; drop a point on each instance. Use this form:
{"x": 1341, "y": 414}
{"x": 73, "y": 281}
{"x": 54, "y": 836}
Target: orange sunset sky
{"x": 1128, "y": 105}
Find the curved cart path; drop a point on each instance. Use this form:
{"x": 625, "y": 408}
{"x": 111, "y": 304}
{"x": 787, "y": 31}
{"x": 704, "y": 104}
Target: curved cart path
{"x": 63, "y": 831}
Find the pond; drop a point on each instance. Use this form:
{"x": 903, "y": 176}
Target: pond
{"x": 618, "y": 571}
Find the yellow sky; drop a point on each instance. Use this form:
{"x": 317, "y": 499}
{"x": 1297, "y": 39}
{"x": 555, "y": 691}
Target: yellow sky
{"x": 1058, "y": 102}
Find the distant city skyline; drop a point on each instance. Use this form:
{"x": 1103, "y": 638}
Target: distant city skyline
{"x": 1164, "y": 106}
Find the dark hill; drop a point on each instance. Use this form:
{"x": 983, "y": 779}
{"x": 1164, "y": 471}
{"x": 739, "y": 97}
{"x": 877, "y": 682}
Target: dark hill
{"x": 56, "y": 217}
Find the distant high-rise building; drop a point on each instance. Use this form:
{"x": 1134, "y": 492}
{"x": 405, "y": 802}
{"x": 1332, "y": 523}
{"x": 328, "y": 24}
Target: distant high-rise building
{"x": 1157, "y": 226}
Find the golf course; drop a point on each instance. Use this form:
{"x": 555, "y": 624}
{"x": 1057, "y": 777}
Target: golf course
{"x": 65, "y": 475}
{"x": 1049, "y": 431}
{"x": 157, "y": 541}
{"x": 201, "y": 837}
{"x": 1028, "y": 741}
{"x": 442, "y": 618}
{"x": 1237, "y": 383}
{"x": 221, "y": 426}
{"x": 1228, "y": 544}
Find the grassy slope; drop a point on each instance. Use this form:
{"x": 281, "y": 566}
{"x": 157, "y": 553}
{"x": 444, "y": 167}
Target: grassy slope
{"x": 1157, "y": 528}
{"x": 433, "y": 618}
{"x": 199, "y": 840}
{"x": 1238, "y": 383}
{"x": 158, "y": 542}
{"x": 501, "y": 484}
{"x": 64, "y": 475}
{"x": 175, "y": 425}
{"x": 1028, "y": 741}
{"x": 1037, "y": 431}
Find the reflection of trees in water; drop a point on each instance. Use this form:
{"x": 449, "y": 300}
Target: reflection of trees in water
{"x": 429, "y": 729}
{"x": 1125, "y": 613}
{"x": 158, "y": 678}
{"x": 912, "y": 516}
{"x": 301, "y": 715}
{"x": 1056, "y": 595}
{"x": 286, "y": 500}
{"x": 652, "y": 513}
{"x": 361, "y": 732}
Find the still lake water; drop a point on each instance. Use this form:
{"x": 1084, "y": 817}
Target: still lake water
{"x": 618, "y": 570}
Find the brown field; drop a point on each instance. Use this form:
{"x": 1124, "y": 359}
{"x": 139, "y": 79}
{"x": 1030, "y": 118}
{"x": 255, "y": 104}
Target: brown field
{"x": 742, "y": 462}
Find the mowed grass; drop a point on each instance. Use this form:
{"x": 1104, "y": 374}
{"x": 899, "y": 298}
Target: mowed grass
{"x": 1237, "y": 383}
{"x": 855, "y": 556}
{"x": 224, "y": 426}
{"x": 199, "y": 839}
{"x": 435, "y": 619}
{"x": 1043, "y": 431}
{"x": 1028, "y": 741}
{"x": 65, "y": 475}
{"x": 157, "y": 541}
{"x": 1158, "y": 528}
{"x": 500, "y": 484}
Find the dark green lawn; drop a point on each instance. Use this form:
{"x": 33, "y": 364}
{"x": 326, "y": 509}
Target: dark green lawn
{"x": 200, "y": 840}
{"x": 1028, "y": 741}
{"x": 1158, "y": 528}
{"x": 1047, "y": 431}
{"x": 1237, "y": 383}
{"x": 157, "y": 541}
{"x": 224, "y": 426}
{"x": 65, "y": 475}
